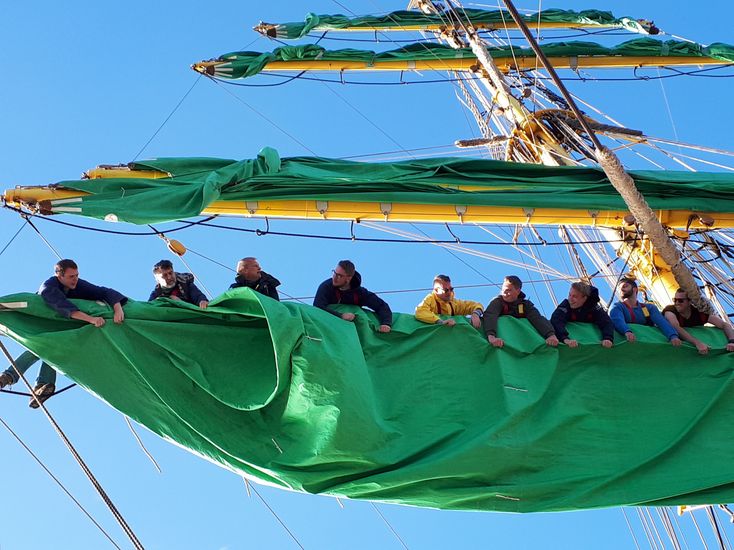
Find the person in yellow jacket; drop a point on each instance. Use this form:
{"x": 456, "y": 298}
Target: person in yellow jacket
{"x": 442, "y": 302}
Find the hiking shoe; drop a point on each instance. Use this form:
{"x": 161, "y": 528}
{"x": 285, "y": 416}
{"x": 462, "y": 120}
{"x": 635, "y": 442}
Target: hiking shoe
{"x": 5, "y": 380}
{"x": 42, "y": 392}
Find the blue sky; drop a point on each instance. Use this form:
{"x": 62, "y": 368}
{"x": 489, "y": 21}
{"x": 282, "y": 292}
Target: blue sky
{"x": 89, "y": 83}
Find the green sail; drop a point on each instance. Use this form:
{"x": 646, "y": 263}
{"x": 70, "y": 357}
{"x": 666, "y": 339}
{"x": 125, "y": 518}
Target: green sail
{"x": 479, "y": 18}
{"x": 245, "y": 64}
{"x": 196, "y": 183}
{"x": 425, "y": 415}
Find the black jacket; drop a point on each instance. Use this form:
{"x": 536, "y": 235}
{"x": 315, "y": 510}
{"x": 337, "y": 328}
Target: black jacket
{"x": 185, "y": 289}
{"x": 266, "y": 285}
{"x": 57, "y": 295}
{"x": 520, "y": 308}
{"x": 591, "y": 312}
{"x": 328, "y": 294}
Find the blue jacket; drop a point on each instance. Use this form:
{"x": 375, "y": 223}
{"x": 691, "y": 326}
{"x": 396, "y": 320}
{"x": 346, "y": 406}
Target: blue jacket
{"x": 356, "y": 295}
{"x": 57, "y": 295}
{"x": 621, "y": 316}
{"x": 185, "y": 289}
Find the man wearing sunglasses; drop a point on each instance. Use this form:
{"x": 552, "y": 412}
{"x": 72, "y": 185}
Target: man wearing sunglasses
{"x": 684, "y": 314}
{"x": 345, "y": 287}
{"x": 442, "y": 302}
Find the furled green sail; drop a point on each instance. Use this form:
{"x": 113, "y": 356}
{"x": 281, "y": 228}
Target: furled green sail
{"x": 196, "y": 183}
{"x": 401, "y": 19}
{"x": 245, "y": 64}
{"x": 425, "y": 415}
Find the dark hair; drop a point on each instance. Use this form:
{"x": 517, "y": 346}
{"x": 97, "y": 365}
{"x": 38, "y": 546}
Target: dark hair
{"x": 681, "y": 291}
{"x": 347, "y": 266}
{"x": 514, "y": 280}
{"x": 248, "y": 259}
{"x": 442, "y": 278}
{"x": 163, "y": 264}
{"x": 62, "y": 265}
{"x": 582, "y": 287}
{"x": 629, "y": 280}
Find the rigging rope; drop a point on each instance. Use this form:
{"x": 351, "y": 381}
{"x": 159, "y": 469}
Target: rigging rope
{"x": 282, "y": 523}
{"x": 700, "y": 534}
{"x": 167, "y": 118}
{"x": 629, "y": 526}
{"x": 43, "y": 238}
{"x": 394, "y": 532}
{"x": 58, "y": 482}
{"x": 118, "y": 516}
{"x": 14, "y": 236}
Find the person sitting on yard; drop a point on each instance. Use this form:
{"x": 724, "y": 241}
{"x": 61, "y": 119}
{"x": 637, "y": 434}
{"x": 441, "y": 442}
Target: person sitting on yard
{"x": 443, "y": 302}
{"x": 684, "y": 314}
{"x": 582, "y": 305}
{"x": 512, "y": 301}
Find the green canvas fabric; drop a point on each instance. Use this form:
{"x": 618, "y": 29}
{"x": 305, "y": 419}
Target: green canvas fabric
{"x": 425, "y": 415}
{"x": 478, "y": 17}
{"x": 451, "y": 181}
{"x": 245, "y": 64}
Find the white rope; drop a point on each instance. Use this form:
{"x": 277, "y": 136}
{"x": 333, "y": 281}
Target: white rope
{"x": 629, "y": 526}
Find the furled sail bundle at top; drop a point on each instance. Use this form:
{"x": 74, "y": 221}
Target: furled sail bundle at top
{"x": 442, "y": 189}
{"x": 404, "y": 20}
{"x": 429, "y": 55}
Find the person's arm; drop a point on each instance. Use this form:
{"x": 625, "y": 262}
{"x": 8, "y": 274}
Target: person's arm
{"x": 88, "y": 291}
{"x": 425, "y": 311}
{"x": 490, "y": 321}
{"x": 665, "y": 327}
{"x": 602, "y": 320}
{"x": 540, "y": 323}
{"x": 57, "y": 300}
{"x": 380, "y": 307}
{"x": 702, "y": 348}
{"x": 321, "y": 300}
{"x": 558, "y": 320}
{"x": 616, "y": 314}
{"x": 718, "y": 322}
{"x": 470, "y": 307}
{"x": 197, "y": 296}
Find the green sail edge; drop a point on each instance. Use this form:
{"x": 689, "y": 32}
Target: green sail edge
{"x": 427, "y": 416}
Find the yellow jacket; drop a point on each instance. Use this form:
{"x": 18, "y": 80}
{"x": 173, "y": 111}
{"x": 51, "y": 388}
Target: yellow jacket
{"x": 431, "y": 307}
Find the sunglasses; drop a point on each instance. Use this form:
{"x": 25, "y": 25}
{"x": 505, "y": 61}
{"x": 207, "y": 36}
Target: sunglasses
{"x": 680, "y": 300}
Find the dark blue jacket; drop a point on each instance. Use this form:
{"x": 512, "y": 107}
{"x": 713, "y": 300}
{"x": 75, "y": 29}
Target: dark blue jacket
{"x": 185, "y": 289}
{"x": 591, "y": 312}
{"x": 266, "y": 285}
{"x": 328, "y": 294}
{"x": 57, "y": 295}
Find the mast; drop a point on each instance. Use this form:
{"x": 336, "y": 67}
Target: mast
{"x": 624, "y": 184}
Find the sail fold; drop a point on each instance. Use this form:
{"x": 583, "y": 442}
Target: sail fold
{"x": 426, "y": 415}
